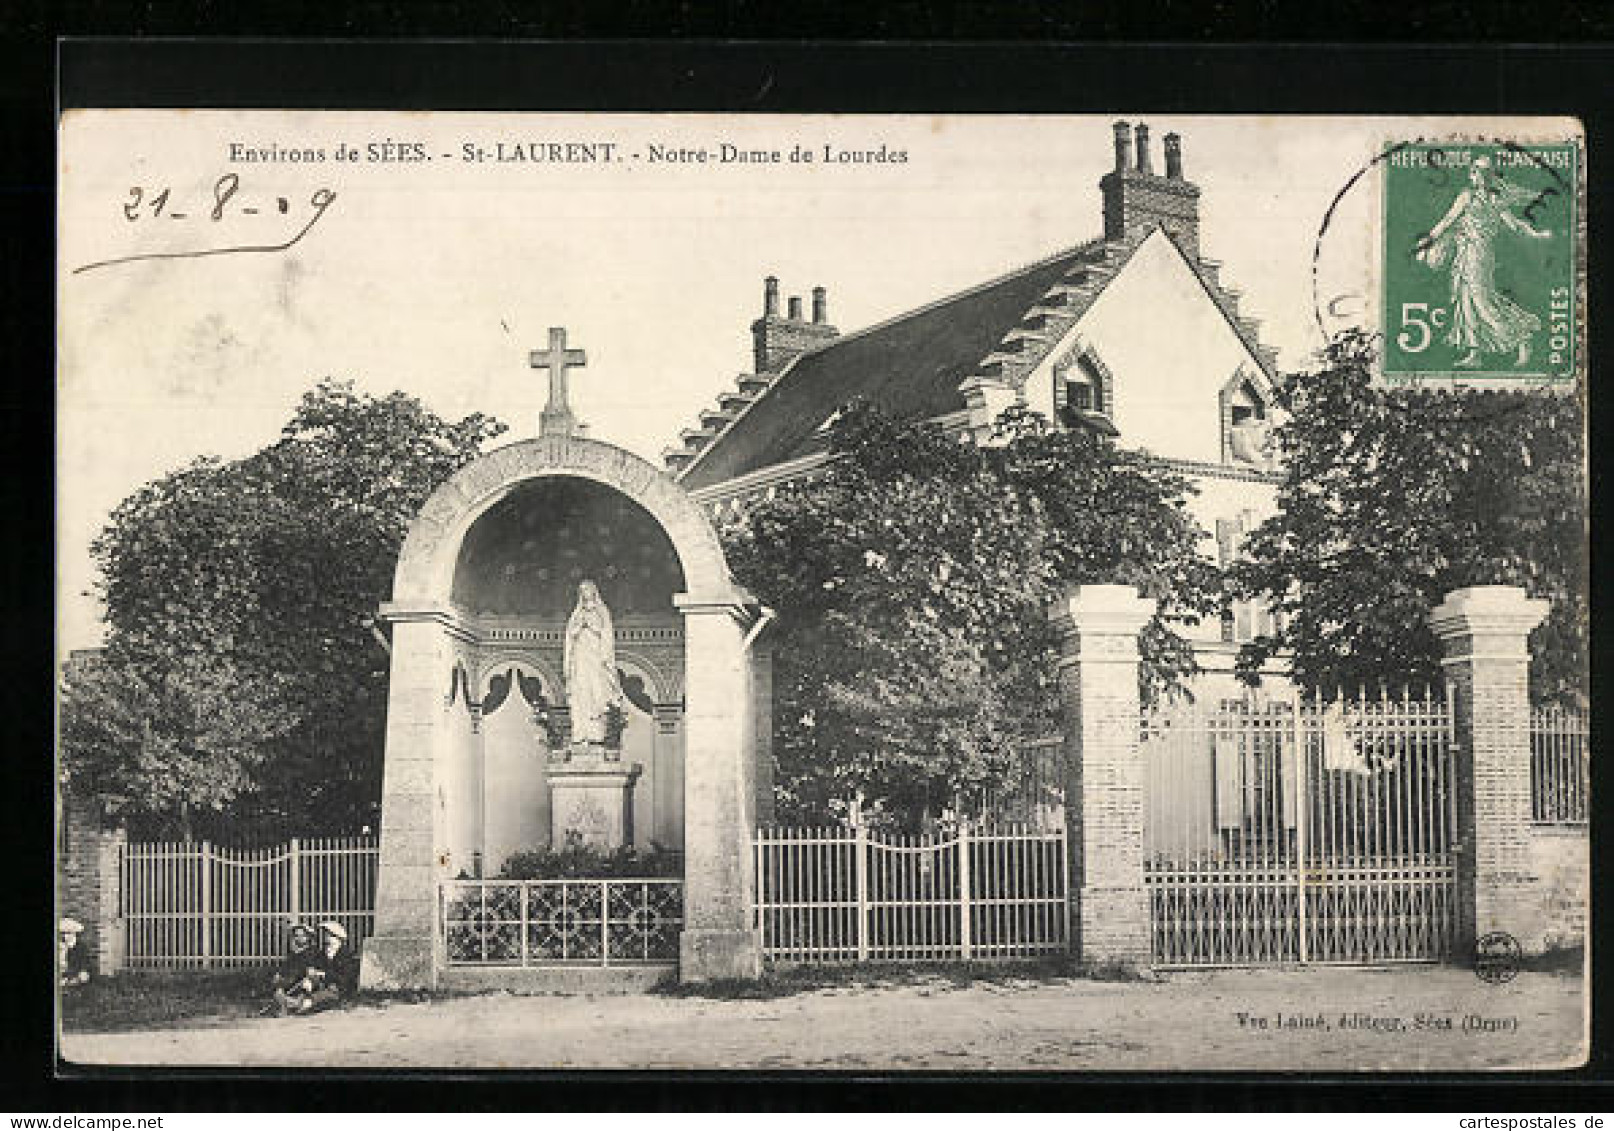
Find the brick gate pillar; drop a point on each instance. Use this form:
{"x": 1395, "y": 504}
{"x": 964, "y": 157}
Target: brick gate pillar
{"x": 1484, "y": 631}
{"x": 109, "y": 952}
{"x": 88, "y": 886}
{"x": 1104, "y": 779}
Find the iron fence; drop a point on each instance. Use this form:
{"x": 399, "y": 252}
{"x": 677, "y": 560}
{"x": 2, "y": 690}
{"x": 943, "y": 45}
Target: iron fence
{"x": 1560, "y": 766}
{"x": 836, "y": 894}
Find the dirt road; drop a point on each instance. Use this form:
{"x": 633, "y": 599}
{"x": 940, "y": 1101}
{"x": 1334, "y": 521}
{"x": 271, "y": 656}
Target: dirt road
{"x": 1314, "y": 1020}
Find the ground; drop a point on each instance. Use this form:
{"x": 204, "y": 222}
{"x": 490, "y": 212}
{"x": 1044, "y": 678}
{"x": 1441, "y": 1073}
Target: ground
{"x": 924, "y": 1021}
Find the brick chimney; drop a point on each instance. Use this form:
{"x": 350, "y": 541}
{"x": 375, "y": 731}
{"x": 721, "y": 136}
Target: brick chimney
{"x": 1135, "y": 195}
{"x": 777, "y": 340}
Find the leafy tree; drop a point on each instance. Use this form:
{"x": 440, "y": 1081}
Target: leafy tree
{"x": 1393, "y": 498}
{"x": 913, "y": 580}
{"x": 242, "y": 683}
{"x": 178, "y": 742}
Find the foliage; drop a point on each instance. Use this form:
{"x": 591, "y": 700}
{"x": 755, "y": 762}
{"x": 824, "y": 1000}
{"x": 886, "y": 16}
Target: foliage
{"x": 242, "y": 682}
{"x": 616, "y": 721}
{"x": 167, "y": 740}
{"x": 582, "y": 861}
{"x": 913, "y": 580}
{"x": 1393, "y": 498}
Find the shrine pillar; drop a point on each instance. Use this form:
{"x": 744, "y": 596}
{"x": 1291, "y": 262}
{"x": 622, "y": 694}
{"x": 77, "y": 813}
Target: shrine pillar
{"x": 720, "y": 939}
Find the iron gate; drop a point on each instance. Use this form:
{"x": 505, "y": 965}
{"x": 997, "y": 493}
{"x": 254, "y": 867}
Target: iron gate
{"x": 1300, "y": 831}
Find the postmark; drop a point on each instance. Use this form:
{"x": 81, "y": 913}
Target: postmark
{"x": 1496, "y": 957}
{"x": 1478, "y": 280}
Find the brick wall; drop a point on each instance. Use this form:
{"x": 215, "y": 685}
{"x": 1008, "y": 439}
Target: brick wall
{"x": 1562, "y": 866}
{"x": 1484, "y": 631}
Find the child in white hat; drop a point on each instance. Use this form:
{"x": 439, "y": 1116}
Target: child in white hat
{"x": 70, "y": 961}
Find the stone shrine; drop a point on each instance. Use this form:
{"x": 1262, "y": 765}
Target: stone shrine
{"x": 571, "y": 663}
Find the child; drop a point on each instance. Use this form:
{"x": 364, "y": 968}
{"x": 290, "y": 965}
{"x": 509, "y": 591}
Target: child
{"x": 72, "y": 969}
{"x": 288, "y": 978}
{"x": 334, "y": 975}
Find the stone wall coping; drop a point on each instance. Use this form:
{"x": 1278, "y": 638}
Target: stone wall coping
{"x": 1554, "y": 830}
{"x": 594, "y": 776}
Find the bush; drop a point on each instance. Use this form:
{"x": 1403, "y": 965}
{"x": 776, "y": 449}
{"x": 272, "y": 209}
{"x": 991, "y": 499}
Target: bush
{"x": 582, "y": 861}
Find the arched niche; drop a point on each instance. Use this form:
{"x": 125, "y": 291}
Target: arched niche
{"x": 462, "y": 595}
{"x": 525, "y": 555}
{"x": 427, "y": 562}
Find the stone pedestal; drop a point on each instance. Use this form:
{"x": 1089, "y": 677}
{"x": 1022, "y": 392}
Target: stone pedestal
{"x": 591, "y": 798}
{"x": 1098, "y": 683}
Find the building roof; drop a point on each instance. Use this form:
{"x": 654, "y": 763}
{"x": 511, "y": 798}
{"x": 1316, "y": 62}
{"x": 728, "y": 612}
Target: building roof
{"x": 912, "y": 366}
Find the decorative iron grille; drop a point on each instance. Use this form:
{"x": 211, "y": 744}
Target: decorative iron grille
{"x": 562, "y": 922}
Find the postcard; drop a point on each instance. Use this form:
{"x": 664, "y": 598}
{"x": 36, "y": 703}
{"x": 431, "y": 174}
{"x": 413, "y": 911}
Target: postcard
{"x": 855, "y": 592}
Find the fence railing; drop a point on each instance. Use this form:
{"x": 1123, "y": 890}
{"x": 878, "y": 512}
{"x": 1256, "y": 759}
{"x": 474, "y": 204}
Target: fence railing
{"x": 828, "y": 895}
{"x": 577, "y": 922}
{"x": 195, "y": 904}
{"x": 1560, "y": 766}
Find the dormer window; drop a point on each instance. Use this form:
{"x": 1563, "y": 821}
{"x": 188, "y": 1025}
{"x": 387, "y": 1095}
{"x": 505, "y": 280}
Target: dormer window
{"x": 1246, "y": 421}
{"x": 1084, "y": 394}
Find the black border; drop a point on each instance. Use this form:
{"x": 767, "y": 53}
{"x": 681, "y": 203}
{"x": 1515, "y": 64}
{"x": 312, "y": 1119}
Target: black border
{"x": 763, "y": 77}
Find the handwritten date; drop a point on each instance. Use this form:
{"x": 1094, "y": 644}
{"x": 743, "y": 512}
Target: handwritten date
{"x": 140, "y": 205}
{"x": 144, "y": 204}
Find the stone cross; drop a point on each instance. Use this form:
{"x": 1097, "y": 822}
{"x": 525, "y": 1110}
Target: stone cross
{"x": 557, "y": 418}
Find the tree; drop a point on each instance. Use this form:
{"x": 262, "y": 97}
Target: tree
{"x": 912, "y": 581}
{"x": 242, "y": 682}
{"x": 1391, "y": 499}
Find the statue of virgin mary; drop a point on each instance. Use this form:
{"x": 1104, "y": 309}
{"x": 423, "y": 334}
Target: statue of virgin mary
{"x": 592, "y": 686}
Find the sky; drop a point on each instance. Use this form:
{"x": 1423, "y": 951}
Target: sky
{"x": 438, "y": 276}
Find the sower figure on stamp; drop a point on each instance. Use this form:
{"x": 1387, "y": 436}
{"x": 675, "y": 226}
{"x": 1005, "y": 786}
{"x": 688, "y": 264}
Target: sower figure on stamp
{"x": 1483, "y": 320}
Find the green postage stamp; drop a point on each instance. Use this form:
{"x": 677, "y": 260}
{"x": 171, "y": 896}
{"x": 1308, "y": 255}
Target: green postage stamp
{"x": 1480, "y": 273}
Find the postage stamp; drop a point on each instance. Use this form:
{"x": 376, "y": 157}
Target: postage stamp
{"x": 1479, "y": 278}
